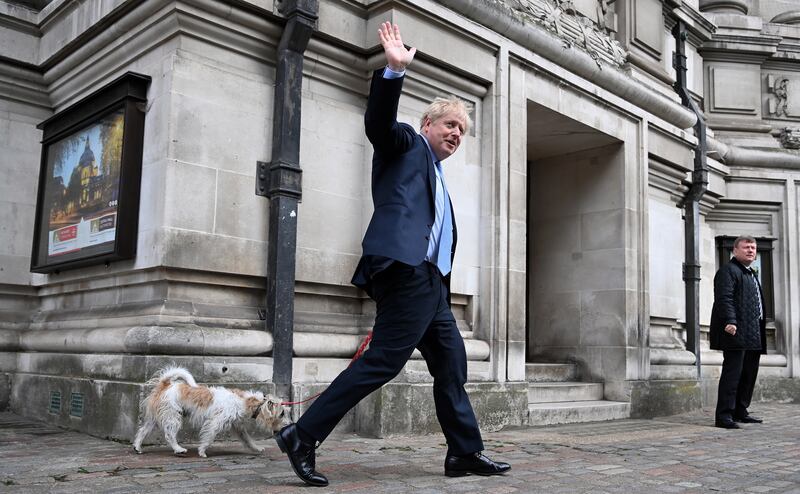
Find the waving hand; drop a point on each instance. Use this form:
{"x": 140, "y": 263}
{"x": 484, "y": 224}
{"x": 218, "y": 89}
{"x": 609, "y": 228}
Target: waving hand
{"x": 397, "y": 56}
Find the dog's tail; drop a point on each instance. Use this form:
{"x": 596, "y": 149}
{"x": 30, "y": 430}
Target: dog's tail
{"x": 171, "y": 374}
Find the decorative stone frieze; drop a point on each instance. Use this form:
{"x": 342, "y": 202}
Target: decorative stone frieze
{"x": 790, "y": 138}
{"x": 780, "y": 88}
{"x": 570, "y": 23}
{"x": 595, "y": 10}
{"x": 782, "y": 98}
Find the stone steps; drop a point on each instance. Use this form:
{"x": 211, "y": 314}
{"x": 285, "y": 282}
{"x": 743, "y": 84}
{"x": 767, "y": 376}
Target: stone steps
{"x": 547, "y": 372}
{"x": 570, "y": 412}
{"x": 564, "y": 391}
{"x": 555, "y": 396}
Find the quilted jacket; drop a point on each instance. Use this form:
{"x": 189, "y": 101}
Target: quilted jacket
{"x": 735, "y": 302}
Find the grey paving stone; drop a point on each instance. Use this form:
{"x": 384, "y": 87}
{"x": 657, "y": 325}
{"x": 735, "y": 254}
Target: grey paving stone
{"x": 682, "y": 454}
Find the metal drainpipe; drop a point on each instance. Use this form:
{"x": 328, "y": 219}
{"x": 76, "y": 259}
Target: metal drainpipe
{"x": 280, "y": 181}
{"x": 691, "y": 202}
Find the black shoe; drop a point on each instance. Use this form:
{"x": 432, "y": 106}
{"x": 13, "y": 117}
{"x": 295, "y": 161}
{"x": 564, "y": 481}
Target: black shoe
{"x": 726, "y": 424}
{"x": 301, "y": 456}
{"x": 476, "y": 463}
{"x": 748, "y": 419}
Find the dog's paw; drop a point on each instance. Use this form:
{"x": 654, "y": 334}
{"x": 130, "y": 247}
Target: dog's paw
{"x": 202, "y": 454}
{"x": 138, "y": 450}
{"x": 180, "y": 452}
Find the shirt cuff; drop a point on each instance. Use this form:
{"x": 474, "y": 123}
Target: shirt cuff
{"x": 391, "y": 74}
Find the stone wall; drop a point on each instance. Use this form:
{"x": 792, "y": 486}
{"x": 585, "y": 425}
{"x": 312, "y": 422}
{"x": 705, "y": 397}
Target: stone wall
{"x": 566, "y": 191}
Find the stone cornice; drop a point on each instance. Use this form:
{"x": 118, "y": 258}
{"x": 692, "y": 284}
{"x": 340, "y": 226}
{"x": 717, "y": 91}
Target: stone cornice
{"x": 699, "y": 27}
{"x": 573, "y": 29}
{"x": 95, "y": 22}
{"x": 152, "y": 24}
{"x": 238, "y": 26}
{"x": 501, "y": 18}
{"x": 740, "y": 47}
{"x": 18, "y": 13}
{"x": 791, "y": 17}
{"x": 733, "y": 210}
{"x": 752, "y": 125}
{"x": 785, "y": 65}
{"x": 667, "y": 178}
{"x": 755, "y": 157}
{"x": 708, "y": 203}
{"x": 23, "y": 83}
{"x": 33, "y": 5}
{"x": 20, "y": 23}
{"x": 150, "y": 340}
{"x": 724, "y": 6}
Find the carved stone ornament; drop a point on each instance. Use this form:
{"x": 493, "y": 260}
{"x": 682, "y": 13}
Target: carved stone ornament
{"x": 790, "y": 138}
{"x": 779, "y": 86}
{"x": 569, "y": 23}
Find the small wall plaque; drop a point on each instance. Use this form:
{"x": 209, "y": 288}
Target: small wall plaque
{"x": 87, "y": 208}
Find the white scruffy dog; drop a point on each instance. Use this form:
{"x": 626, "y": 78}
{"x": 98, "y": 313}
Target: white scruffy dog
{"x": 211, "y": 409}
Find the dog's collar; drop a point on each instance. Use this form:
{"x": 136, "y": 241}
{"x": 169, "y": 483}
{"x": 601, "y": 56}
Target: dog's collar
{"x": 258, "y": 409}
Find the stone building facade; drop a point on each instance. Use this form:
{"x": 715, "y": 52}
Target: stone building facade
{"x": 570, "y": 195}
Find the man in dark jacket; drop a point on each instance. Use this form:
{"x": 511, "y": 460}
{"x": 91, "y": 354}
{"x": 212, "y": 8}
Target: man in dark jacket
{"x": 738, "y": 329}
{"x": 408, "y": 251}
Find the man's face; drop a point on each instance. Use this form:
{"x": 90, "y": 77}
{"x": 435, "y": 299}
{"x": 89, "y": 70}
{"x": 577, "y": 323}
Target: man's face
{"x": 444, "y": 134}
{"x": 745, "y": 252}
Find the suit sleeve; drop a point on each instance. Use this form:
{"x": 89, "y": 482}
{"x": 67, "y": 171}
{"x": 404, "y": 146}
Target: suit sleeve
{"x": 724, "y": 288}
{"x": 380, "y": 120}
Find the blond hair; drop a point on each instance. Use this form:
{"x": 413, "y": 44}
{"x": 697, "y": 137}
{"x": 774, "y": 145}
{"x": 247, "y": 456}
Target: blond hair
{"x": 744, "y": 238}
{"x": 440, "y": 107}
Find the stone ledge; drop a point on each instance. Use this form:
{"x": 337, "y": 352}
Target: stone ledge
{"x": 137, "y": 368}
{"x": 108, "y": 409}
{"x": 778, "y": 389}
{"x": 408, "y": 409}
{"x": 668, "y": 397}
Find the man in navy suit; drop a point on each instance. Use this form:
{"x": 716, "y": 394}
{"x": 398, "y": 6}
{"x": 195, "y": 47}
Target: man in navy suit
{"x": 408, "y": 251}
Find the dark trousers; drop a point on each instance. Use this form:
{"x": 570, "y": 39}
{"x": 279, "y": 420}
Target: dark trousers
{"x": 412, "y": 312}
{"x": 736, "y": 383}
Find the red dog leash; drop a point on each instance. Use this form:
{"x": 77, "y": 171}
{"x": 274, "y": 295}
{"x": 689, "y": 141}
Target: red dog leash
{"x": 358, "y": 354}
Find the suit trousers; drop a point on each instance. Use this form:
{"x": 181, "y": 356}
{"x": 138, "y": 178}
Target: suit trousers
{"x": 412, "y": 312}
{"x": 736, "y": 383}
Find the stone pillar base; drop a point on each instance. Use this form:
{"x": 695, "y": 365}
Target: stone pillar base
{"x": 408, "y": 409}
{"x": 768, "y": 388}
{"x": 780, "y": 389}
{"x": 99, "y": 394}
{"x": 660, "y": 398}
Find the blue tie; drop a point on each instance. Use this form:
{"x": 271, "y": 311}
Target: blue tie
{"x": 446, "y": 238}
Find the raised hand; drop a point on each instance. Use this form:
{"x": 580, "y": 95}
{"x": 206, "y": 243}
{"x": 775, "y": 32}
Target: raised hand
{"x": 397, "y": 56}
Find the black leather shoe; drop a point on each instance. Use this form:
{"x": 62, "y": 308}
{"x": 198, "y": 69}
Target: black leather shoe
{"x": 302, "y": 456}
{"x": 726, "y": 424}
{"x": 476, "y": 464}
{"x": 748, "y": 419}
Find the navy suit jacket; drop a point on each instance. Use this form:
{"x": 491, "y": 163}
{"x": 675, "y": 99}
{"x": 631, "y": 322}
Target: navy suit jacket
{"x": 403, "y": 182}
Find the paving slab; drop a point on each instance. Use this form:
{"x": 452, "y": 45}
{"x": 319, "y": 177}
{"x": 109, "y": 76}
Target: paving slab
{"x": 677, "y": 454}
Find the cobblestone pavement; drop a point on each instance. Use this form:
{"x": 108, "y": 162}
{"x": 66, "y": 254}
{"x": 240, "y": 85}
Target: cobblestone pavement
{"x": 681, "y": 453}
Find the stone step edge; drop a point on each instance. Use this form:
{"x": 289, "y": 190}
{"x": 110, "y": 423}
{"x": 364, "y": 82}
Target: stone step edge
{"x": 551, "y": 372}
{"x": 554, "y": 413}
{"x": 555, "y": 392}
{"x": 577, "y": 404}
{"x": 555, "y": 384}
